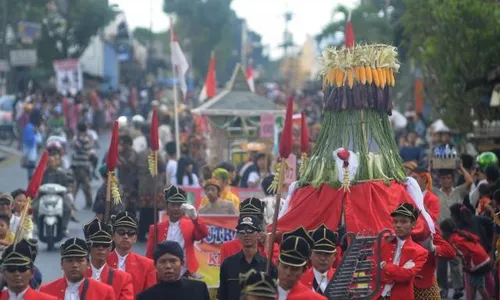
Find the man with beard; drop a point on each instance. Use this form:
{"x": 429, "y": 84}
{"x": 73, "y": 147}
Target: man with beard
{"x": 247, "y": 259}
{"x": 98, "y": 236}
{"x": 139, "y": 267}
{"x": 73, "y": 285}
{"x": 17, "y": 271}
{"x": 169, "y": 261}
{"x": 322, "y": 258}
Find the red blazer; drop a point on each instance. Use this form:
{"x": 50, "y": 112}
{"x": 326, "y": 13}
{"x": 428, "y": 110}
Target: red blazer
{"x": 302, "y": 292}
{"x": 402, "y": 277}
{"x": 30, "y": 294}
{"x": 427, "y": 276}
{"x": 141, "y": 269}
{"x": 432, "y": 205}
{"x": 122, "y": 282}
{"x": 191, "y": 231}
{"x": 96, "y": 290}
{"x": 230, "y": 248}
{"x": 473, "y": 253}
{"x": 307, "y": 278}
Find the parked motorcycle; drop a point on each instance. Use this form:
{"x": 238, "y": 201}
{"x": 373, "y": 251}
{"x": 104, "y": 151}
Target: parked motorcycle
{"x": 50, "y": 213}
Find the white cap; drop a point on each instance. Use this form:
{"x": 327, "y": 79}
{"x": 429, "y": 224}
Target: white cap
{"x": 122, "y": 122}
{"x": 138, "y": 119}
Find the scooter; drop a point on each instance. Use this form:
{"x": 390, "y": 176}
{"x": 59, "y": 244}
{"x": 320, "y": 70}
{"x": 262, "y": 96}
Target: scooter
{"x": 50, "y": 213}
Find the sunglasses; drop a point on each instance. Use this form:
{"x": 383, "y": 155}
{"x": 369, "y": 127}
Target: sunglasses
{"x": 129, "y": 233}
{"x": 20, "y": 269}
{"x": 246, "y": 231}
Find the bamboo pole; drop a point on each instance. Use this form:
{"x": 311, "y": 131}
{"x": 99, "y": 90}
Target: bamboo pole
{"x": 155, "y": 196}
{"x": 272, "y": 236}
{"x": 107, "y": 209}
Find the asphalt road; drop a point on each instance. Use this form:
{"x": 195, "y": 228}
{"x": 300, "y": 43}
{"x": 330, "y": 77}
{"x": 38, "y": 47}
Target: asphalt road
{"x": 13, "y": 177}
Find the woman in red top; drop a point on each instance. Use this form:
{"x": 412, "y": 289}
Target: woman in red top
{"x": 476, "y": 260}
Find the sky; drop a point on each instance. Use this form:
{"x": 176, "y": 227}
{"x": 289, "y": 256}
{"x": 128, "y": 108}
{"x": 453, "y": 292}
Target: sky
{"x": 263, "y": 16}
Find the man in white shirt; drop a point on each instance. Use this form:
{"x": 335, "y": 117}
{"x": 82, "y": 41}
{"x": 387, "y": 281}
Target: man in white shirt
{"x": 73, "y": 285}
{"x": 171, "y": 150}
{"x": 322, "y": 258}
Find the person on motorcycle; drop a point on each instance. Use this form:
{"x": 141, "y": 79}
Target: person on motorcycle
{"x": 136, "y": 132}
{"x": 55, "y": 174}
{"x": 57, "y": 121}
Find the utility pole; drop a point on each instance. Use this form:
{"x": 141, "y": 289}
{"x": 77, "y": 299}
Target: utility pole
{"x": 244, "y": 38}
{"x": 4, "y": 30}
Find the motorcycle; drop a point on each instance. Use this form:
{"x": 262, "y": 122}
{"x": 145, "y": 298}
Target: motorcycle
{"x": 50, "y": 213}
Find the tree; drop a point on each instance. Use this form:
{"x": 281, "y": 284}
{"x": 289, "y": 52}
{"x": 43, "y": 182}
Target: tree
{"x": 455, "y": 42}
{"x": 203, "y": 24}
{"x": 368, "y": 23}
{"x": 66, "y": 35}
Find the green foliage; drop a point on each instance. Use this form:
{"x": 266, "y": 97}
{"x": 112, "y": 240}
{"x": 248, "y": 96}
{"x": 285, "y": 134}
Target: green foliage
{"x": 204, "y": 25}
{"x": 455, "y": 42}
{"x": 369, "y": 26}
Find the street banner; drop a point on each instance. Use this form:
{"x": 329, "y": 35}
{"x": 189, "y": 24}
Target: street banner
{"x": 69, "y": 75}
{"x": 267, "y": 122}
{"x": 221, "y": 228}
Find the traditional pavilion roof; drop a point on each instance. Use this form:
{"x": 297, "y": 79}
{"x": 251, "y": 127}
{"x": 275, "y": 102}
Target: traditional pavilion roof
{"x": 238, "y": 100}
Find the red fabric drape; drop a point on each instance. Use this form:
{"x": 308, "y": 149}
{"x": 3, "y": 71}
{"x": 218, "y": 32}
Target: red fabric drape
{"x": 367, "y": 207}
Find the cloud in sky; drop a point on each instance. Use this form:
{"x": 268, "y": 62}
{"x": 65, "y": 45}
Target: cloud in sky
{"x": 263, "y": 16}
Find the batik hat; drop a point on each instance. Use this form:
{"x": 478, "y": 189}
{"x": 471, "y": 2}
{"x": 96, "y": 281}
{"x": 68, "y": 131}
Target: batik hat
{"x": 124, "y": 219}
{"x": 97, "y": 232}
{"x": 74, "y": 247}
{"x": 258, "y": 284}
{"x": 20, "y": 254}
{"x": 174, "y": 194}
{"x": 324, "y": 239}
{"x": 407, "y": 210}
{"x": 296, "y": 248}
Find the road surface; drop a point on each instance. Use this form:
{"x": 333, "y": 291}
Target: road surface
{"x": 13, "y": 177}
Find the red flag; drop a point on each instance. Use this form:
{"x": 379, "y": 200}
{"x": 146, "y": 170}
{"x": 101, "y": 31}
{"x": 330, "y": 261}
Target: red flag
{"x": 304, "y": 134}
{"x": 249, "y": 76}
{"x": 210, "y": 87}
{"x": 349, "y": 39}
{"x": 286, "y": 141}
{"x": 37, "y": 177}
{"x": 153, "y": 134}
{"x": 112, "y": 156}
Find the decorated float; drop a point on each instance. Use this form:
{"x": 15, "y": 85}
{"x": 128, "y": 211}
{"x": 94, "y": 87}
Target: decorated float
{"x": 354, "y": 177}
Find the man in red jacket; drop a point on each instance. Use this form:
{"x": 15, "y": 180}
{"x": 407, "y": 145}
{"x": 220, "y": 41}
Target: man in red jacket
{"x": 402, "y": 258}
{"x": 294, "y": 254}
{"x": 425, "y": 285}
{"x": 99, "y": 238}
{"x": 248, "y": 208}
{"x": 17, "y": 271}
{"x": 141, "y": 268}
{"x": 322, "y": 258}
{"x": 184, "y": 226}
{"x": 431, "y": 201}
{"x": 74, "y": 285}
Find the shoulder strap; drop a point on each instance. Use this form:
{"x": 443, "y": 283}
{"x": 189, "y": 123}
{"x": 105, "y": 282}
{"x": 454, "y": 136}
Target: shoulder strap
{"x": 84, "y": 289}
{"x": 110, "y": 276}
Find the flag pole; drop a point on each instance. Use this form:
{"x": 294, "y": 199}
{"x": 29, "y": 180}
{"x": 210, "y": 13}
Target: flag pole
{"x": 176, "y": 101}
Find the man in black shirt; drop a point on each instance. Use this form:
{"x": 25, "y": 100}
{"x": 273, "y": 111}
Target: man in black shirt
{"x": 169, "y": 259}
{"x": 248, "y": 258}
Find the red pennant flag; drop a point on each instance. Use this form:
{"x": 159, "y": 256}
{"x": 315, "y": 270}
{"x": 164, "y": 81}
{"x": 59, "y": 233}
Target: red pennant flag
{"x": 349, "y": 39}
{"x": 304, "y": 134}
{"x": 286, "y": 141}
{"x": 112, "y": 156}
{"x": 37, "y": 177}
{"x": 153, "y": 134}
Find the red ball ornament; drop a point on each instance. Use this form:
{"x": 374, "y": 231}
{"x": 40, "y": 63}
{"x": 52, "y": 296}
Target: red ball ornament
{"x": 343, "y": 154}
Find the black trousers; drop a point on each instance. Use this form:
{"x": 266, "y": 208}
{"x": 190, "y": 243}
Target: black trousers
{"x": 146, "y": 219}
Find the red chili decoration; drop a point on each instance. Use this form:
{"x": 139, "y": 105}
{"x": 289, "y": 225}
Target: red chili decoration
{"x": 112, "y": 156}
{"x": 153, "y": 134}
{"x": 343, "y": 155}
{"x": 286, "y": 141}
{"x": 36, "y": 179}
{"x": 304, "y": 134}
